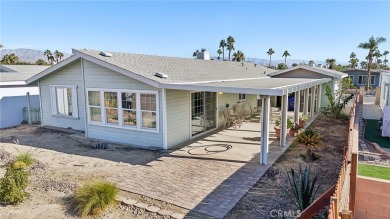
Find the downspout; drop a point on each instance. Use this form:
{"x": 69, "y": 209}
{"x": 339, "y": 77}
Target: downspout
{"x": 85, "y": 98}
{"x": 40, "y": 103}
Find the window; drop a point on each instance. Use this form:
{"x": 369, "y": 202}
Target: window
{"x": 64, "y": 100}
{"x": 129, "y": 109}
{"x": 94, "y": 106}
{"x": 363, "y": 79}
{"x": 241, "y": 97}
{"x": 123, "y": 109}
{"x": 351, "y": 77}
{"x": 148, "y": 110}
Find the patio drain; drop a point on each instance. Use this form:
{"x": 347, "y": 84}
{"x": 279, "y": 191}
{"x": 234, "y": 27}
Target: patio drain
{"x": 210, "y": 149}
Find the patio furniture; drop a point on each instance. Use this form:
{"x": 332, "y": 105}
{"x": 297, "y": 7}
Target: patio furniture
{"x": 231, "y": 119}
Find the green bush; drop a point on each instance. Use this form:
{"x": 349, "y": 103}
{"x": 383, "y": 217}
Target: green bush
{"x": 26, "y": 158}
{"x": 94, "y": 198}
{"x": 13, "y": 184}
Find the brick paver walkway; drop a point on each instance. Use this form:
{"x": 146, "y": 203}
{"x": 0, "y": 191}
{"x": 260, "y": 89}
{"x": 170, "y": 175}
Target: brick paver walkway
{"x": 210, "y": 184}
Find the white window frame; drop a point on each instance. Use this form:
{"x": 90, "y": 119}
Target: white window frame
{"x": 372, "y": 81}
{"x": 351, "y": 77}
{"x": 54, "y": 101}
{"x": 240, "y": 99}
{"x": 120, "y": 124}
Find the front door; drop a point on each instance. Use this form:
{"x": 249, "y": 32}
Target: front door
{"x": 203, "y": 112}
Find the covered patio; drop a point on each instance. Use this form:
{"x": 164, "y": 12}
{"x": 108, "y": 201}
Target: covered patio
{"x": 265, "y": 88}
{"x": 208, "y": 175}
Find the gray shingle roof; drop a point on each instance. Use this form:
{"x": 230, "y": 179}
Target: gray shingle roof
{"x": 180, "y": 70}
{"x": 19, "y": 72}
{"x": 325, "y": 71}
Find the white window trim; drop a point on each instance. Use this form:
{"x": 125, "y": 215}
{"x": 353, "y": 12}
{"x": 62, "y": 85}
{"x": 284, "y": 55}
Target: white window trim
{"x": 53, "y": 98}
{"x": 241, "y": 100}
{"x": 120, "y": 112}
{"x": 352, "y": 77}
{"x": 373, "y": 81}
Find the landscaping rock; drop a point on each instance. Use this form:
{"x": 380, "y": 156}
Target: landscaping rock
{"x": 164, "y": 212}
{"x": 177, "y": 215}
{"x": 120, "y": 199}
{"x": 153, "y": 209}
{"x": 141, "y": 205}
{"x": 130, "y": 201}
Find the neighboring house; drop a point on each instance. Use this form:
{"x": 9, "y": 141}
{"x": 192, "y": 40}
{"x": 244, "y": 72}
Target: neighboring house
{"x": 13, "y": 91}
{"x": 385, "y": 89}
{"x": 359, "y": 77}
{"x": 304, "y": 71}
{"x": 153, "y": 101}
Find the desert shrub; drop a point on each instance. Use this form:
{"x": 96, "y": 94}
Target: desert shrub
{"x": 309, "y": 140}
{"x": 26, "y": 158}
{"x": 14, "y": 183}
{"x": 93, "y": 198}
{"x": 301, "y": 190}
{"x": 336, "y": 107}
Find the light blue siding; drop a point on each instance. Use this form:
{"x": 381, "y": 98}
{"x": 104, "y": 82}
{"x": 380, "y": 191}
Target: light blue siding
{"x": 69, "y": 75}
{"x": 100, "y": 77}
{"x": 178, "y": 117}
{"x": 356, "y": 73}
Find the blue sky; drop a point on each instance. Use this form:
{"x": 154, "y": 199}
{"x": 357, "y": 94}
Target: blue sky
{"x": 307, "y": 29}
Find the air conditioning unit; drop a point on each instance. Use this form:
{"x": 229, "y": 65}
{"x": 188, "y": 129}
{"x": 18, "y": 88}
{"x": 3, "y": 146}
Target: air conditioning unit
{"x": 386, "y": 122}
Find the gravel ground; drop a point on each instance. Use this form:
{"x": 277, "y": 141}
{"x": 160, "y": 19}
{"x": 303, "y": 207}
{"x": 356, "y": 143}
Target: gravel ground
{"x": 265, "y": 199}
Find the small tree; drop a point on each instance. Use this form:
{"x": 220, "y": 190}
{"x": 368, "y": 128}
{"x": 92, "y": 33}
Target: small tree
{"x": 309, "y": 140}
{"x": 335, "y": 107}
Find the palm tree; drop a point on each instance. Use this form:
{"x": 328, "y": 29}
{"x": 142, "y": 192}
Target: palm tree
{"x": 353, "y": 60}
{"x": 385, "y": 54}
{"x": 47, "y": 53}
{"x": 238, "y": 56}
{"x": 230, "y": 44}
{"x": 56, "y": 55}
{"x": 219, "y": 52}
{"x": 10, "y": 59}
{"x": 377, "y": 54}
{"x": 285, "y": 54}
{"x": 51, "y": 59}
{"x": 309, "y": 140}
{"x": 331, "y": 62}
{"x": 371, "y": 46}
{"x": 222, "y": 45}
{"x": 60, "y": 56}
{"x": 1, "y": 46}
{"x": 270, "y": 52}
{"x": 363, "y": 64}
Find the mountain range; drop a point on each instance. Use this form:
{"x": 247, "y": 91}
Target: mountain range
{"x": 28, "y": 55}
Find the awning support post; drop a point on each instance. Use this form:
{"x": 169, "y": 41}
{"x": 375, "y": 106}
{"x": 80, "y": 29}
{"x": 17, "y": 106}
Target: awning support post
{"x": 264, "y": 130}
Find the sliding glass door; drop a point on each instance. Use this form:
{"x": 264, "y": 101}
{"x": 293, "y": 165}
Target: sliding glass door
{"x": 203, "y": 112}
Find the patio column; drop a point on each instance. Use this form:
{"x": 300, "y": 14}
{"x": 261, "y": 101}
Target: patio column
{"x": 312, "y": 101}
{"x": 306, "y": 101}
{"x": 297, "y": 103}
{"x": 283, "y": 128}
{"x": 264, "y": 130}
{"x": 319, "y": 88}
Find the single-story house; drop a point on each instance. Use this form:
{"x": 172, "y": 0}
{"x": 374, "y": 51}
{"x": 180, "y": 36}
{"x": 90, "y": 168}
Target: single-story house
{"x": 359, "y": 77}
{"x": 156, "y": 101}
{"x": 13, "y": 89}
{"x": 385, "y": 89}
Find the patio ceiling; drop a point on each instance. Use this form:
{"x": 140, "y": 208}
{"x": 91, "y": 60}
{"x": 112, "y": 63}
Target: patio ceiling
{"x": 260, "y": 86}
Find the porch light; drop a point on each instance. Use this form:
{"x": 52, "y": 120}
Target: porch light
{"x": 220, "y": 92}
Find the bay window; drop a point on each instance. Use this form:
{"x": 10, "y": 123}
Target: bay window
{"x": 129, "y": 109}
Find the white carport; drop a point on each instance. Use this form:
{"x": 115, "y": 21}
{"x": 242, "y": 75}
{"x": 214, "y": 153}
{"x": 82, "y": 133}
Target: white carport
{"x": 266, "y": 87}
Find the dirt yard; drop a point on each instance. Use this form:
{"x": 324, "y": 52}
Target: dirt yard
{"x": 63, "y": 165}
{"x": 266, "y": 198}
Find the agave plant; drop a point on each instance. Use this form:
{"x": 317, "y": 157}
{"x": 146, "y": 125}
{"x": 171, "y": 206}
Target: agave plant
{"x": 310, "y": 140}
{"x": 301, "y": 191}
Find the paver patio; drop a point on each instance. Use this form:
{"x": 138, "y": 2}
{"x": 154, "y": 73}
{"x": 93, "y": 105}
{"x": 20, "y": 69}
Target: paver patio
{"x": 207, "y": 182}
